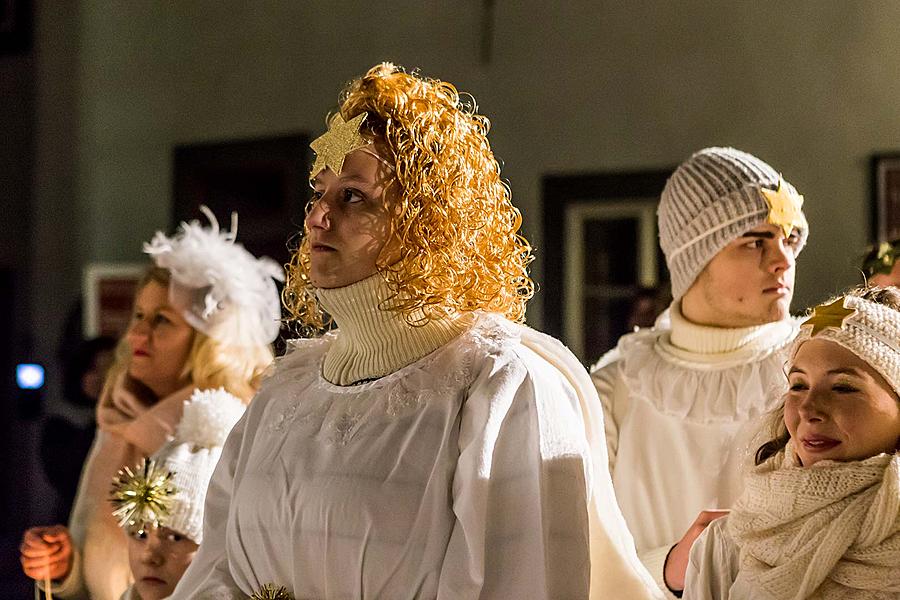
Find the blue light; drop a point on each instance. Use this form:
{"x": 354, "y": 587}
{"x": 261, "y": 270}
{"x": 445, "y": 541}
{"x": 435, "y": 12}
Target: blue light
{"x": 29, "y": 376}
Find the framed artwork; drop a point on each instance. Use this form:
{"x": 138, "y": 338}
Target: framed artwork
{"x": 109, "y": 290}
{"x": 601, "y": 257}
{"x": 886, "y": 197}
{"x": 266, "y": 181}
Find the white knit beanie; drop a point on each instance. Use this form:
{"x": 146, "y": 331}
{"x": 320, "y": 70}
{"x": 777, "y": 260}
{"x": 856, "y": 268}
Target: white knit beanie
{"x": 710, "y": 200}
{"x": 169, "y": 489}
{"x": 869, "y": 330}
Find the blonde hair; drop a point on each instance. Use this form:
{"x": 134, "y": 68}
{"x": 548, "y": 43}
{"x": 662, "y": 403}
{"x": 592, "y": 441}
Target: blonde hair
{"x": 454, "y": 223}
{"x": 210, "y": 364}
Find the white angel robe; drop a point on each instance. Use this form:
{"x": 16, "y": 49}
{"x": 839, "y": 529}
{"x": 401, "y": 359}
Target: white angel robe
{"x": 683, "y": 411}
{"x": 467, "y": 474}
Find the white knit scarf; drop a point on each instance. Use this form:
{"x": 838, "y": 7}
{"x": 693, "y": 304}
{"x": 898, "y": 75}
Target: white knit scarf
{"x": 827, "y": 531}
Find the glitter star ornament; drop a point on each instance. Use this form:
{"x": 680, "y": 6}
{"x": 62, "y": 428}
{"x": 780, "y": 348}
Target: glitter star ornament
{"x": 142, "y": 496}
{"x": 785, "y": 208}
{"x": 342, "y": 138}
{"x": 270, "y": 592}
{"x": 834, "y": 314}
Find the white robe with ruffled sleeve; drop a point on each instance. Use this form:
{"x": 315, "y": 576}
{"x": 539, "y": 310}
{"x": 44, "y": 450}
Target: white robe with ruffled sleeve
{"x": 478, "y": 471}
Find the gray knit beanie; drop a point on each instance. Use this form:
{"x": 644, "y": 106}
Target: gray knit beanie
{"x": 711, "y": 199}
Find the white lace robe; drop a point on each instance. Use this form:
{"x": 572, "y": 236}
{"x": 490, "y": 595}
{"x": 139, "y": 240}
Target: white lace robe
{"x": 467, "y": 474}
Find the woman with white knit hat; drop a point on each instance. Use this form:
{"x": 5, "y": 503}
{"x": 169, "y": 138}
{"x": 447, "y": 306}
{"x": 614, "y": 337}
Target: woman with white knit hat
{"x": 820, "y": 514}
{"x": 431, "y": 446}
{"x": 159, "y": 503}
{"x": 204, "y": 317}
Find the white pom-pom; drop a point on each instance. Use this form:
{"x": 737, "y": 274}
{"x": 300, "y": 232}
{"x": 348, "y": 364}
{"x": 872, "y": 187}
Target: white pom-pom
{"x": 208, "y": 418}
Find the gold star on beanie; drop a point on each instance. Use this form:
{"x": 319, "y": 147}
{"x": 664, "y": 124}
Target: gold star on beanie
{"x": 785, "y": 208}
{"x": 868, "y": 329}
{"x": 833, "y": 314}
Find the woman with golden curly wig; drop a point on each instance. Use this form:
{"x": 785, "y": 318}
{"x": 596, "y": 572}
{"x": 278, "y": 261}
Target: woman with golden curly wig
{"x": 430, "y": 446}
{"x": 204, "y": 318}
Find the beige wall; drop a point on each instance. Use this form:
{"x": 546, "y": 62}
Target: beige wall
{"x": 810, "y": 86}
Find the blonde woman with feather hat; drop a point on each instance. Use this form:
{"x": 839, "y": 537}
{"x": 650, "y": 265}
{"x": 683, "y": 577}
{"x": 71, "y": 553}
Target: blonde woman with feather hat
{"x": 204, "y": 317}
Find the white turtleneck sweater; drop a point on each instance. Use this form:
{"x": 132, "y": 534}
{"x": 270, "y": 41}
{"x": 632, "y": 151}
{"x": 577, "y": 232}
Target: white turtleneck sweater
{"x": 682, "y": 405}
{"x": 374, "y": 342}
{"x": 465, "y": 460}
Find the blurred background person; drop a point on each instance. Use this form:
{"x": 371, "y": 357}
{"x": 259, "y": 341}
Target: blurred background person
{"x": 880, "y": 265}
{"x": 204, "y": 318}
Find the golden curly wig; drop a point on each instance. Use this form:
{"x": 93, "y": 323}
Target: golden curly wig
{"x": 455, "y": 224}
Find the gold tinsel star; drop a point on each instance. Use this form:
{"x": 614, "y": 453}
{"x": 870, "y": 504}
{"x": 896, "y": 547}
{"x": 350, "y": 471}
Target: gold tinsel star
{"x": 784, "y": 208}
{"x": 142, "y": 496}
{"x": 829, "y": 315}
{"x": 334, "y": 145}
{"x": 270, "y": 592}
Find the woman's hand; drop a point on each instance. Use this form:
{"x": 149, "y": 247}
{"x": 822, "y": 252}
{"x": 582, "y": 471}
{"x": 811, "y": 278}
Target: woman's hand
{"x": 677, "y": 561}
{"x": 46, "y": 552}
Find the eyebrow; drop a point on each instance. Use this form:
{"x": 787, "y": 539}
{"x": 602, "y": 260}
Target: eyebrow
{"x": 768, "y": 235}
{"x": 839, "y": 371}
{"x": 343, "y": 179}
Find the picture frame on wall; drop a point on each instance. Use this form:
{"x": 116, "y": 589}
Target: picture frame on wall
{"x": 264, "y": 180}
{"x": 885, "y": 197}
{"x": 108, "y": 291}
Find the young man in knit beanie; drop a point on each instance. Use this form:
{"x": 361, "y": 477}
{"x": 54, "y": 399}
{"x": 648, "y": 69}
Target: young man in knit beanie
{"x": 681, "y": 400}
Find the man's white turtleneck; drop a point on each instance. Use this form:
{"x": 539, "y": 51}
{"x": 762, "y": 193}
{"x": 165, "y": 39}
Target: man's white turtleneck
{"x": 703, "y": 339}
{"x": 373, "y": 342}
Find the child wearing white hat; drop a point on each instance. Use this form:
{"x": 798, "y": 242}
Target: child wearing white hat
{"x": 160, "y": 502}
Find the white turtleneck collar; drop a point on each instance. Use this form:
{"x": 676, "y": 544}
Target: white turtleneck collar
{"x": 372, "y": 342}
{"x": 702, "y": 339}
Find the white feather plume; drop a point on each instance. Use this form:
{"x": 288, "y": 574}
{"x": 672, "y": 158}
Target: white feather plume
{"x": 216, "y": 272}
{"x": 208, "y": 417}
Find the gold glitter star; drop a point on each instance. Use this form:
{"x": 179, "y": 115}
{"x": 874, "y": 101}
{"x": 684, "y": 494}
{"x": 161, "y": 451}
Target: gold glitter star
{"x": 834, "y": 315}
{"x": 784, "y": 208}
{"x": 334, "y": 145}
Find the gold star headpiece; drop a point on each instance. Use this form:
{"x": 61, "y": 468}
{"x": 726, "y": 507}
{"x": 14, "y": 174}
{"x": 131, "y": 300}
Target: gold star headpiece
{"x": 342, "y": 138}
{"x": 142, "y": 496}
{"x": 785, "y": 207}
{"x": 833, "y": 314}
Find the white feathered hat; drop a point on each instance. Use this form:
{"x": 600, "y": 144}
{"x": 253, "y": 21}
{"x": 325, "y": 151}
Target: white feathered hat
{"x": 169, "y": 488}
{"x": 219, "y": 287}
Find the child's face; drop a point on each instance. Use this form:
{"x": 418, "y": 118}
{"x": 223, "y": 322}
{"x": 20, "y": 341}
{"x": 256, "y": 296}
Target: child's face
{"x": 158, "y": 557}
{"x": 839, "y": 407}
